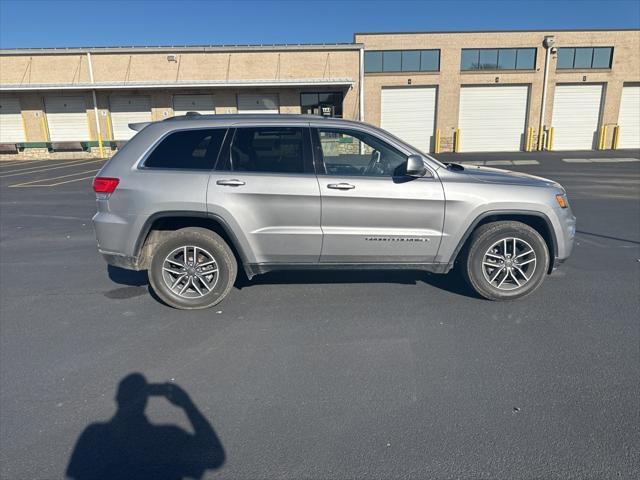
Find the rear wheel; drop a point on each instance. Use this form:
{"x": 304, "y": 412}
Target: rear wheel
{"x": 506, "y": 260}
{"x": 192, "y": 268}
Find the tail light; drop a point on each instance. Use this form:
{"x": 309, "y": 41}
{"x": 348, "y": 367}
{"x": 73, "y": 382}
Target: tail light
{"x": 105, "y": 184}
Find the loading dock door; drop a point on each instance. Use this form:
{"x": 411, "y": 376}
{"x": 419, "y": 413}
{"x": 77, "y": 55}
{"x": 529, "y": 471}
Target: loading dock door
{"x": 576, "y": 114}
{"x": 409, "y": 113}
{"x": 202, "y": 104}
{"x": 493, "y": 118}
{"x": 126, "y": 109}
{"x": 629, "y": 117}
{"x": 67, "y": 119}
{"x": 11, "y": 129}
{"x": 248, "y": 103}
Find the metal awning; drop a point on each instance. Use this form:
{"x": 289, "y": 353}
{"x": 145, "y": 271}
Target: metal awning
{"x": 306, "y": 82}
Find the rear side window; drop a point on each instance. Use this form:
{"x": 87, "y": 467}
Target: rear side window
{"x": 270, "y": 150}
{"x": 188, "y": 150}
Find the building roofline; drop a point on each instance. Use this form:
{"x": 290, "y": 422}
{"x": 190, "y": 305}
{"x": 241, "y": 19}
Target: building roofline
{"x": 183, "y": 49}
{"x": 535, "y": 30}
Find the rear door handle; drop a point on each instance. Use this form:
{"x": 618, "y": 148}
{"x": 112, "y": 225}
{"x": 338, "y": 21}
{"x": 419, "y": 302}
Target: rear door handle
{"x": 230, "y": 183}
{"x": 341, "y": 186}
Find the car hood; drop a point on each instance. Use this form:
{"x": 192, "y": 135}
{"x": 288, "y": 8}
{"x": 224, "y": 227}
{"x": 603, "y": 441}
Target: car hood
{"x": 496, "y": 175}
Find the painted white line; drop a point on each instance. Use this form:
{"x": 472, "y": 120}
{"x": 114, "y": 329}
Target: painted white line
{"x": 473, "y": 162}
{"x": 576, "y": 160}
{"x": 13, "y": 173}
{"x": 499, "y": 162}
{"x": 600, "y": 160}
{"x": 48, "y": 185}
{"x": 13, "y": 163}
{"x": 526, "y": 162}
{"x": 49, "y": 179}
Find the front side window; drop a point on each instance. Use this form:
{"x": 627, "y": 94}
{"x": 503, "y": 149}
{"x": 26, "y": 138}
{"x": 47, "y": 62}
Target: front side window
{"x": 188, "y": 150}
{"x": 354, "y": 153}
{"x": 269, "y": 150}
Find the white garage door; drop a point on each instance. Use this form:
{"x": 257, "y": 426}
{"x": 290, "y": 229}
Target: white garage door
{"x": 576, "y": 114}
{"x": 629, "y": 117}
{"x": 409, "y": 113}
{"x": 11, "y": 129}
{"x": 202, "y": 104}
{"x": 258, "y": 103}
{"x": 493, "y": 118}
{"x": 126, "y": 109}
{"x": 66, "y": 119}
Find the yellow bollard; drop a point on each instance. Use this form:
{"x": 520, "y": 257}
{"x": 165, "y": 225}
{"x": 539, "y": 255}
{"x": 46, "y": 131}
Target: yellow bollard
{"x": 100, "y": 146}
{"x": 456, "y": 140}
{"x": 550, "y": 139}
{"x": 529, "y": 139}
{"x": 601, "y": 137}
{"x": 541, "y": 140}
{"x": 437, "y": 141}
{"x": 616, "y": 137}
{"x": 45, "y": 129}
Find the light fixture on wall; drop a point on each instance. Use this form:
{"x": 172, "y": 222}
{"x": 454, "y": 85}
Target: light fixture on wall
{"x": 172, "y": 58}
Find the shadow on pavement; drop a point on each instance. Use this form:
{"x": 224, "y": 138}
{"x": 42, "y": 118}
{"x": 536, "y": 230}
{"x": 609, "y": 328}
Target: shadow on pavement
{"x": 128, "y": 446}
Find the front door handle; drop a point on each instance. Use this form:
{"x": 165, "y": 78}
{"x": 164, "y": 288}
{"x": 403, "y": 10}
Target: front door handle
{"x": 341, "y": 186}
{"x": 230, "y": 183}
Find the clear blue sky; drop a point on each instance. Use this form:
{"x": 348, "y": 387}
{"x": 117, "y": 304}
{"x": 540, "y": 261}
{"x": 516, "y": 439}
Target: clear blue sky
{"x": 65, "y": 23}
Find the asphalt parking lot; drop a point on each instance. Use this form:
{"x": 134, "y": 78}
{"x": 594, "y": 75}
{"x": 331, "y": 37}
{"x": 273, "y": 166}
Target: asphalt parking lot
{"x": 330, "y": 375}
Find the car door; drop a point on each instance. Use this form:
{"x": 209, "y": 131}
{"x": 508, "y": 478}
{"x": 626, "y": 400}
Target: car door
{"x": 265, "y": 189}
{"x": 371, "y": 211}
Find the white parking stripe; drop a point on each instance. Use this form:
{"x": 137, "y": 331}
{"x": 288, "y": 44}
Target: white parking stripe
{"x": 501, "y": 162}
{"x": 13, "y": 173}
{"x": 600, "y": 160}
{"x": 526, "y": 162}
{"x": 10, "y": 163}
{"x": 23, "y": 184}
{"x": 54, "y": 184}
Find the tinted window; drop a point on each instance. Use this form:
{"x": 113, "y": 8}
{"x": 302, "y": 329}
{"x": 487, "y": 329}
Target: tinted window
{"x": 411, "y": 61}
{"x": 602, "y": 57}
{"x": 526, "y": 59}
{"x": 507, "y": 59}
{"x": 349, "y": 153}
{"x": 268, "y": 149}
{"x": 189, "y": 149}
{"x": 430, "y": 60}
{"x": 392, "y": 61}
{"x": 372, "y": 61}
{"x": 565, "y": 57}
{"x": 583, "y": 58}
{"x": 488, "y": 59}
{"x": 469, "y": 60}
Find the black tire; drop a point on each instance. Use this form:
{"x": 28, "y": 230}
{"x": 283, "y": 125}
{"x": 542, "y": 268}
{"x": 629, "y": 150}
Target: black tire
{"x": 478, "y": 274}
{"x": 213, "y": 245}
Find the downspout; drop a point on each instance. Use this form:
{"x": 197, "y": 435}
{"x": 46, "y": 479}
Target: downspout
{"x": 361, "y": 86}
{"x": 95, "y": 107}
{"x": 547, "y": 44}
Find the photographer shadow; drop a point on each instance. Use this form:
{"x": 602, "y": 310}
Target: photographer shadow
{"x": 129, "y": 446}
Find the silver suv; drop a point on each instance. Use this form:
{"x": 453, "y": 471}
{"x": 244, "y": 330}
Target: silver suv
{"x": 191, "y": 198}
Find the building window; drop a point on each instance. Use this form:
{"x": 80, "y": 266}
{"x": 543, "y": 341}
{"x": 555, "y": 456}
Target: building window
{"x": 328, "y": 104}
{"x": 498, "y": 59}
{"x": 402, "y": 61}
{"x": 584, "y": 58}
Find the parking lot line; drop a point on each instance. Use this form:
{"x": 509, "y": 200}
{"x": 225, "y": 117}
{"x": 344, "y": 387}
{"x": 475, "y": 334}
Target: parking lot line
{"x": 13, "y": 163}
{"x": 13, "y": 173}
{"x": 32, "y": 182}
{"x": 600, "y": 160}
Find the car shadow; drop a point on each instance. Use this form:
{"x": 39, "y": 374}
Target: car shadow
{"x": 129, "y": 446}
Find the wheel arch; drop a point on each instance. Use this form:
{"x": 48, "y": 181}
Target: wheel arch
{"x": 162, "y": 223}
{"x": 536, "y": 220}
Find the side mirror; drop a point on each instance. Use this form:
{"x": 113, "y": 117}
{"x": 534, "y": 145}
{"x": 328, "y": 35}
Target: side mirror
{"x": 416, "y": 166}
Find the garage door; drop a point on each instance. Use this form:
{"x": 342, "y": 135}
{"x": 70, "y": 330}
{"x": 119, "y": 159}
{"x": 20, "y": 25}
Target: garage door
{"x": 629, "y": 117}
{"x": 193, "y": 103}
{"x": 126, "y": 109}
{"x": 576, "y": 114}
{"x": 409, "y": 113}
{"x": 258, "y": 103}
{"x": 11, "y": 128}
{"x": 493, "y": 118}
{"x": 66, "y": 119}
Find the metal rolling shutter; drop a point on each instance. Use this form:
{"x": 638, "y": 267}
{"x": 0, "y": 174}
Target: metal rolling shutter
{"x": 126, "y": 109}
{"x": 11, "y": 127}
{"x": 493, "y": 118}
{"x": 193, "y": 103}
{"x": 258, "y": 103}
{"x": 629, "y": 117}
{"x": 576, "y": 114}
{"x": 409, "y": 113}
{"x": 67, "y": 119}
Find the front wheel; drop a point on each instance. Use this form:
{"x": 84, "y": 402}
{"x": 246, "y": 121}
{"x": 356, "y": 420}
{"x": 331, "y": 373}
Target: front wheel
{"x": 192, "y": 268}
{"x": 506, "y": 260}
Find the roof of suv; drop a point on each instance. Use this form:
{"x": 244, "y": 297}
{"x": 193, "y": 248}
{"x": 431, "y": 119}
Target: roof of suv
{"x": 251, "y": 117}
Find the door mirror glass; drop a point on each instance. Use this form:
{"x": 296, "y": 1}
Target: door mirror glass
{"x": 416, "y": 166}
